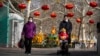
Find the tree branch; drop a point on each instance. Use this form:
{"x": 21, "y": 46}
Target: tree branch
{"x": 60, "y": 12}
{"x": 98, "y": 8}
{"x": 12, "y": 10}
{"x": 13, "y": 6}
{"x": 77, "y": 9}
{"x": 42, "y": 19}
{"x": 34, "y": 9}
{"x": 87, "y": 1}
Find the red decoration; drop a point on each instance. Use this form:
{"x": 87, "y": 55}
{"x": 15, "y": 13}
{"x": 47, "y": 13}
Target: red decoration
{"x": 91, "y": 21}
{"x": 45, "y": 7}
{"x": 78, "y": 20}
{"x": 27, "y": 0}
{"x": 22, "y": 6}
{"x": 1, "y": 4}
{"x": 36, "y": 13}
{"x": 53, "y": 15}
{"x": 93, "y": 4}
{"x": 69, "y": 5}
{"x": 89, "y": 13}
{"x": 70, "y": 14}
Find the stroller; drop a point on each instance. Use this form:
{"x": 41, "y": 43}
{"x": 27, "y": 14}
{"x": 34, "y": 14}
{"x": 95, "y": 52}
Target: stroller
{"x": 63, "y": 36}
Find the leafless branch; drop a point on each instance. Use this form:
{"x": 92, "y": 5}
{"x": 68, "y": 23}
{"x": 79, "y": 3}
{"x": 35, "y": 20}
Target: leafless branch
{"x": 77, "y": 9}
{"x": 34, "y": 9}
{"x": 87, "y": 1}
{"x": 42, "y": 19}
{"x": 98, "y": 8}
{"x": 60, "y": 12}
{"x": 16, "y": 1}
{"x": 13, "y": 8}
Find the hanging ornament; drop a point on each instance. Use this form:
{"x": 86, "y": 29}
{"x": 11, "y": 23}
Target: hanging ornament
{"x": 78, "y": 20}
{"x": 93, "y": 4}
{"x": 89, "y": 13}
{"x": 69, "y": 6}
{"x": 28, "y": 0}
{"x": 53, "y": 15}
{"x": 36, "y": 13}
{"x": 70, "y": 14}
{"x": 1, "y": 4}
{"x": 91, "y": 21}
{"x": 22, "y": 6}
{"x": 45, "y": 7}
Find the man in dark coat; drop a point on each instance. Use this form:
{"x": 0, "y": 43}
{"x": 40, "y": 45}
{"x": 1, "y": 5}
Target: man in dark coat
{"x": 66, "y": 23}
{"x": 98, "y": 38}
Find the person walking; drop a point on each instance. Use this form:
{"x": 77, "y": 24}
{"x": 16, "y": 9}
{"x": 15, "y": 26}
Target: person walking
{"x": 66, "y": 23}
{"x": 29, "y": 31}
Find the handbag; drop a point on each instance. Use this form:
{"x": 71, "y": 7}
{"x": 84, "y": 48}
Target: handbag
{"x": 21, "y": 43}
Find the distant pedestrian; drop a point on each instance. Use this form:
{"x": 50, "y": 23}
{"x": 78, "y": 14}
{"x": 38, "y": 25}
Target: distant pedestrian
{"x": 66, "y": 24}
{"x": 29, "y": 30}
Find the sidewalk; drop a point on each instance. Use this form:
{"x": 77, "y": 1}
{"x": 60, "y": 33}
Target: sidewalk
{"x": 45, "y": 52}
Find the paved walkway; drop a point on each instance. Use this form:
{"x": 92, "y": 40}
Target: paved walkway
{"x": 45, "y": 52}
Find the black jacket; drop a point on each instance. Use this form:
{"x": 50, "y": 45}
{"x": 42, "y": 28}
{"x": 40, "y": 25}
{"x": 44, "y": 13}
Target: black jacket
{"x": 98, "y": 27}
{"x": 66, "y": 25}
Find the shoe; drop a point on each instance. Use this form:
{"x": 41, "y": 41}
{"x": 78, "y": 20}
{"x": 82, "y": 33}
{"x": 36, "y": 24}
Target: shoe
{"x": 28, "y": 54}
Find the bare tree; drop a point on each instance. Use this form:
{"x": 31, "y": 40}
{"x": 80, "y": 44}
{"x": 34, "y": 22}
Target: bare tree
{"x": 80, "y": 9}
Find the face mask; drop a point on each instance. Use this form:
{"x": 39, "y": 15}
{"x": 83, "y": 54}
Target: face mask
{"x": 66, "y": 20}
{"x": 30, "y": 20}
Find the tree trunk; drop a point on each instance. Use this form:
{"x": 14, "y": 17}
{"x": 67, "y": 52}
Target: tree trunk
{"x": 28, "y": 11}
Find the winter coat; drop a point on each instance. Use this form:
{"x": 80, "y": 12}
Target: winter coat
{"x": 29, "y": 30}
{"x": 68, "y": 27}
{"x": 98, "y": 27}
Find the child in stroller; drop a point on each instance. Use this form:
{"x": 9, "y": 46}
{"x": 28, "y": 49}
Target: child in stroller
{"x": 63, "y": 36}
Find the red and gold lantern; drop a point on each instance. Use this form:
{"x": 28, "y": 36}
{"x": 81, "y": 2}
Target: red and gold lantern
{"x": 91, "y": 21}
{"x": 69, "y": 6}
{"x": 45, "y": 7}
{"x": 1, "y": 4}
{"x": 36, "y": 13}
{"x": 93, "y": 4}
{"x": 22, "y": 6}
{"x": 53, "y": 15}
{"x": 28, "y": 0}
{"x": 70, "y": 14}
{"x": 78, "y": 20}
{"x": 89, "y": 13}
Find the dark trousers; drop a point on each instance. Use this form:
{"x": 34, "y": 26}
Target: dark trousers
{"x": 28, "y": 45}
{"x": 69, "y": 39}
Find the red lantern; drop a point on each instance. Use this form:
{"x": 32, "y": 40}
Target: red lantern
{"x": 78, "y": 20}
{"x": 70, "y": 14}
{"x": 22, "y": 6}
{"x": 1, "y": 4}
{"x": 53, "y": 15}
{"x": 91, "y": 21}
{"x": 69, "y": 5}
{"x": 45, "y": 7}
{"x": 93, "y": 4}
{"x": 27, "y": 0}
{"x": 89, "y": 13}
{"x": 36, "y": 13}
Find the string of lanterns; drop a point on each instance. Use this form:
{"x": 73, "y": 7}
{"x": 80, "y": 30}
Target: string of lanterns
{"x": 68, "y": 6}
